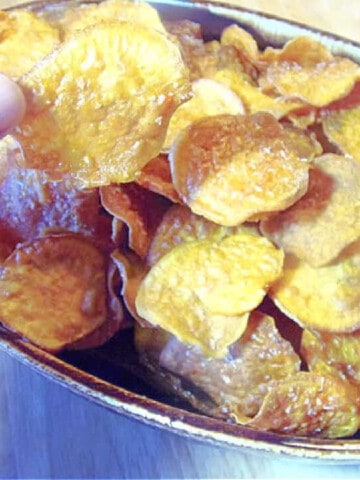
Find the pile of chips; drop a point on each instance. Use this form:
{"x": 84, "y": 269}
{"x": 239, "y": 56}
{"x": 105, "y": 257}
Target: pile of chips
{"x": 210, "y": 189}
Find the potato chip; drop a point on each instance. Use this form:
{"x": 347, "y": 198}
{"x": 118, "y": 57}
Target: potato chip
{"x": 140, "y": 209}
{"x": 230, "y": 168}
{"x": 46, "y": 205}
{"x": 253, "y": 98}
{"x": 341, "y": 129}
{"x": 202, "y": 291}
{"x": 209, "y": 98}
{"x": 238, "y": 381}
{"x": 242, "y": 40}
{"x": 317, "y": 85}
{"x": 53, "y": 290}
{"x": 330, "y": 205}
{"x": 98, "y": 107}
{"x": 24, "y": 40}
{"x": 156, "y": 176}
{"x": 303, "y": 50}
{"x": 334, "y": 354}
{"x": 132, "y": 271}
{"x": 87, "y": 15}
{"x": 325, "y": 298}
{"x": 310, "y": 404}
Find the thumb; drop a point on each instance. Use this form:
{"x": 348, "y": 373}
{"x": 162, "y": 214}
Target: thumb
{"x": 12, "y": 104}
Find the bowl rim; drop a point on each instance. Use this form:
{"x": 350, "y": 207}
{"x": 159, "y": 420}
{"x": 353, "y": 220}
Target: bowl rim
{"x": 153, "y": 412}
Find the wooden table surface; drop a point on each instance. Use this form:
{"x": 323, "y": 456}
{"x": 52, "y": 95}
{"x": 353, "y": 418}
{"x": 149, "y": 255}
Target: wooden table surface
{"x": 47, "y": 431}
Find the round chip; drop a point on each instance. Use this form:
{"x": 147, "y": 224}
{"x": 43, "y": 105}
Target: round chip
{"x": 53, "y": 290}
{"x": 230, "y": 168}
{"x": 202, "y": 291}
{"x": 98, "y": 107}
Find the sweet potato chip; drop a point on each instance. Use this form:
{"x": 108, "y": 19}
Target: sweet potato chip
{"x": 209, "y": 98}
{"x": 24, "y": 40}
{"x": 53, "y": 290}
{"x": 341, "y": 129}
{"x": 202, "y": 291}
{"x": 317, "y": 85}
{"x": 330, "y": 205}
{"x": 132, "y": 271}
{"x": 140, "y": 209}
{"x": 325, "y": 298}
{"x": 334, "y": 354}
{"x": 230, "y": 168}
{"x": 238, "y": 381}
{"x": 87, "y": 15}
{"x": 310, "y": 404}
{"x": 156, "y": 176}
{"x": 98, "y": 107}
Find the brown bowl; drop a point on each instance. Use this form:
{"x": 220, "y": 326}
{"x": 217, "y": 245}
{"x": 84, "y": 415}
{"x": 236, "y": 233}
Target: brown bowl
{"x": 108, "y": 375}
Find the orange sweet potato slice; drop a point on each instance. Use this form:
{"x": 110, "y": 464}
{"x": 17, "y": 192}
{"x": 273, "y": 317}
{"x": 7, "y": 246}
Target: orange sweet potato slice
{"x": 330, "y": 205}
{"x": 202, "y": 291}
{"x": 230, "y": 168}
{"x": 98, "y": 106}
{"x": 24, "y": 40}
{"x": 53, "y": 290}
{"x": 140, "y": 209}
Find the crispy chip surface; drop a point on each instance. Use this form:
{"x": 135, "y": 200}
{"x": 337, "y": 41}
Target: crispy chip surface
{"x": 230, "y": 168}
{"x": 331, "y": 204}
{"x": 325, "y": 298}
{"x": 98, "y": 107}
{"x": 202, "y": 291}
{"x": 24, "y": 40}
{"x": 53, "y": 290}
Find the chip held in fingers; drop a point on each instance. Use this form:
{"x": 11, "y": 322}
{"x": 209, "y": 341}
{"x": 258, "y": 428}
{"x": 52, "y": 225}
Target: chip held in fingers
{"x": 53, "y": 290}
{"x": 202, "y": 291}
{"x": 230, "y": 168}
{"x": 98, "y": 106}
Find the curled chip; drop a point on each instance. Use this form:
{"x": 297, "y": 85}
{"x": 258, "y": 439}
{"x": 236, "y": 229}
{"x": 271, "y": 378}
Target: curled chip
{"x": 237, "y": 382}
{"x": 331, "y": 204}
{"x": 310, "y": 404}
{"x": 341, "y": 128}
{"x": 98, "y": 107}
{"x": 210, "y": 98}
{"x": 244, "y": 43}
{"x": 230, "y": 168}
{"x": 87, "y": 15}
{"x": 317, "y": 85}
{"x": 53, "y": 290}
{"x": 156, "y": 176}
{"x": 325, "y": 298}
{"x": 24, "y": 40}
{"x": 202, "y": 291}
{"x": 334, "y": 354}
{"x": 140, "y": 209}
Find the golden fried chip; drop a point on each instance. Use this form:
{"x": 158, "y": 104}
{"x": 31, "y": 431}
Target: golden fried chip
{"x": 325, "y": 298}
{"x": 242, "y": 40}
{"x": 24, "y": 40}
{"x": 132, "y": 271}
{"x": 253, "y": 98}
{"x": 317, "y": 85}
{"x": 330, "y": 205}
{"x": 334, "y": 354}
{"x": 156, "y": 176}
{"x": 209, "y": 98}
{"x": 53, "y": 290}
{"x": 310, "y": 404}
{"x": 230, "y": 168}
{"x": 202, "y": 291}
{"x": 341, "y": 129}
{"x": 303, "y": 50}
{"x": 237, "y": 382}
{"x": 140, "y": 209}
{"x": 87, "y": 15}
{"x": 99, "y": 106}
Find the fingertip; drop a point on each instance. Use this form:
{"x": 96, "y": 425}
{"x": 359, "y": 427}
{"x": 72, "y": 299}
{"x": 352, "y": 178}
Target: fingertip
{"x": 12, "y": 104}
